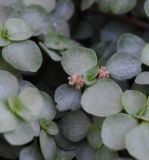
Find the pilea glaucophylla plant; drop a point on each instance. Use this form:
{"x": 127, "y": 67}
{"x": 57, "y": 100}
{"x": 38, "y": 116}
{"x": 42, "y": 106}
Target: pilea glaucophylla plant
{"x": 74, "y": 84}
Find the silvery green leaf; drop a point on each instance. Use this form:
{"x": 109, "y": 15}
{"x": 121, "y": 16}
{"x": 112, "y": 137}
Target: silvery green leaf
{"x": 59, "y": 42}
{"x": 85, "y": 152}
{"x": 78, "y": 60}
{"x": 25, "y": 55}
{"x": 142, "y": 78}
{"x": 85, "y": 4}
{"x": 48, "y": 146}
{"x": 137, "y": 142}
{"x": 64, "y": 9}
{"x": 74, "y": 125}
{"x": 123, "y": 66}
{"x": 49, "y": 109}
{"x": 8, "y": 122}
{"x": 64, "y": 143}
{"x": 133, "y": 101}
{"x": 18, "y": 109}
{"x": 31, "y": 152}
{"x": 17, "y": 29}
{"x": 146, "y": 7}
{"x": 49, "y": 127}
{"x": 48, "y": 5}
{"x": 67, "y": 98}
{"x": 105, "y": 153}
{"x": 131, "y": 44}
{"x": 144, "y": 56}
{"x": 52, "y": 54}
{"x": 8, "y": 85}
{"x": 115, "y": 128}
{"x": 94, "y": 137}
{"x": 37, "y": 20}
{"x": 23, "y": 134}
{"x": 116, "y": 6}
{"x": 98, "y": 100}
{"x": 32, "y": 100}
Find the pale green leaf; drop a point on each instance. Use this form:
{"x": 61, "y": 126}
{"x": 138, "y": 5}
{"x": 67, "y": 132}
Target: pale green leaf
{"x": 32, "y": 100}
{"x": 49, "y": 109}
{"x": 48, "y": 5}
{"x": 67, "y": 98}
{"x": 78, "y": 60}
{"x": 131, "y": 44}
{"x": 52, "y": 54}
{"x": 59, "y": 42}
{"x": 17, "y": 29}
{"x": 8, "y": 85}
{"x": 98, "y": 100}
{"x": 23, "y": 134}
{"x": 123, "y": 66}
{"x": 48, "y": 146}
{"x": 8, "y": 122}
{"x": 142, "y": 78}
{"x": 133, "y": 101}
{"x": 115, "y": 128}
{"x": 25, "y": 55}
{"x": 137, "y": 142}
{"x": 94, "y": 137}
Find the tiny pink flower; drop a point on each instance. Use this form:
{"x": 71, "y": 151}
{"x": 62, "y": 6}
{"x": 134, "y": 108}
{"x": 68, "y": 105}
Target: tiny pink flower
{"x": 77, "y": 81}
{"x": 104, "y": 73}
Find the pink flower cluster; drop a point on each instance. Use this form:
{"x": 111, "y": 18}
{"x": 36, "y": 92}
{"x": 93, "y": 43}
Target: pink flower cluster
{"x": 77, "y": 81}
{"x": 103, "y": 73}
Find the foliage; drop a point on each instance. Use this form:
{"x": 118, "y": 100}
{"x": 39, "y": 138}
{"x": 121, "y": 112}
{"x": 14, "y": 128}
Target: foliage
{"x": 74, "y": 83}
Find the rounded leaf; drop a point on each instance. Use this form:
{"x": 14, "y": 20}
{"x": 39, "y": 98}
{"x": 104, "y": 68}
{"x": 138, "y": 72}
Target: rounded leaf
{"x": 32, "y": 100}
{"x": 114, "y": 130}
{"x": 8, "y": 85}
{"x": 78, "y": 60}
{"x": 123, "y": 66}
{"x": 145, "y": 55}
{"x": 23, "y": 134}
{"x": 48, "y": 146}
{"x": 25, "y": 55}
{"x": 137, "y": 142}
{"x": 67, "y": 98}
{"x": 74, "y": 125}
{"x": 94, "y": 137}
{"x": 17, "y": 29}
{"x": 48, "y": 5}
{"x": 133, "y": 101}
{"x": 49, "y": 109}
{"x": 98, "y": 100}
{"x": 59, "y": 42}
{"x": 131, "y": 44}
{"x": 142, "y": 78}
{"x": 8, "y": 122}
